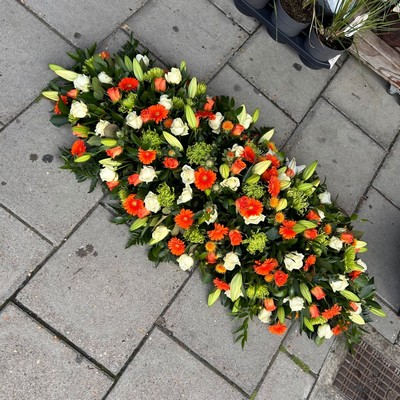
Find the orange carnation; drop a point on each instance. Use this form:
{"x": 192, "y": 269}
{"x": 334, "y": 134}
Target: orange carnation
{"x": 78, "y": 148}
{"x": 184, "y": 219}
{"x": 221, "y": 285}
{"x": 332, "y": 312}
{"x": 274, "y": 186}
{"x": 114, "y": 152}
{"x": 147, "y": 156}
{"x": 128, "y": 84}
{"x": 280, "y": 278}
{"x": 176, "y": 246}
{"x": 238, "y": 166}
{"x": 218, "y": 232}
{"x": 235, "y": 237}
{"x": 266, "y": 266}
{"x": 204, "y": 178}
{"x": 277, "y": 329}
{"x": 286, "y": 230}
{"x": 134, "y": 206}
{"x": 248, "y": 207}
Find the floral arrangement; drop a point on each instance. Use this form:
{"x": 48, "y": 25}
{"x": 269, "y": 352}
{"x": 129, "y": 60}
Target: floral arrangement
{"x": 200, "y": 184}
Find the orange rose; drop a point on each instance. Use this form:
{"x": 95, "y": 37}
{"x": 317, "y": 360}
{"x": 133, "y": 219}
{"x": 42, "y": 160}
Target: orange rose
{"x": 160, "y": 85}
{"x": 114, "y": 94}
{"x": 238, "y": 166}
{"x": 170, "y": 162}
{"x": 209, "y": 105}
{"x": 237, "y": 129}
{"x": 317, "y": 292}
{"x": 235, "y": 237}
{"x": 280, "y": 278}
{"x": 134, "y": 179}
{"x": 114, "y": 152}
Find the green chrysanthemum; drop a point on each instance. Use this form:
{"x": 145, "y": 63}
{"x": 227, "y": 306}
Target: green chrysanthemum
{"x": 201, "y": 89}
{"x": 166, "y": 196}
{"x": 199, "y": 153}
{"x": 151, "y": 139}
{"x": 298, "y": 199}
{"x": 152, "y": 74}
{"x": 256, "y": 242}
{"x": 254, "y": 191}
{"x": 178, "y": 103}
{"x": 128, "y": 103}
{"x": 194, "y": 235}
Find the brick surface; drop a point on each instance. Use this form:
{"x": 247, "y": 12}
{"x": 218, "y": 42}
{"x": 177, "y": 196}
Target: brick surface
{"x": 20, "y": 251}
{"x": 387, "y": 180}
{"x": 209, "y": 332}
{"x": 306, "y": 350}
{"x": 164, "y": 370}
{"x": 36, "y": 365}
{"x": 176, "y": 33}
{"x": 285, "y": 380}
{"x": 20, "y": 61}
{"x": 96, "y": 20}
{"x": 277, "y": 71}
{"x": 340, "y": 147}
{"x": 33, "y": 178}
{"x": 383, "y": 236}
{"x": 228, "y": 7}
{"x": 101, "y": 296}
{"x": 229, "y": 83}
{"x": 362, "y": 96}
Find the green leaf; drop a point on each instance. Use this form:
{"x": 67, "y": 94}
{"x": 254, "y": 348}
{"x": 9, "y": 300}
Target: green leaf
{"x": 94, "y": 141}
{"x": 349, "y": 295}
{"x": 137, "y": 70}
{"x": 281, "y": 315}
{"x": 128, "y": 63}
{"x": 308, "y": 324}
{"x": 377, "y": 311}
{"x": 319, "y": 340}
{"x": 366, "y": 291}
{"x": 120, "y": 220}
{"x": 236, "y": 286}
{"x": 305, "y": 292}
{"x": 59, "y": 120}
{"x": 213, "y": 297}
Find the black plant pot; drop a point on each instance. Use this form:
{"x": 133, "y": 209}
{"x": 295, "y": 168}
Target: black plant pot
{"x": 285, "y": 23}
{"x": 257, "y": 4}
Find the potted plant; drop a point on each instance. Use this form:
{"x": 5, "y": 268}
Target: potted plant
{"x": 257, "y": 4}
{"x": 333, "y": 33}
{"x": 293, "y": 16}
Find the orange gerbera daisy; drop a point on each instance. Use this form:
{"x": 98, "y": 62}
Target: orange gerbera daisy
{"x": 147, "y": 156}
{"x": 176, "y": 246}
{"x": 279, "y": 217}
{"x": 238, "y": 166}
{"x": 249, "y": 154}
{"x": 273, "y": 202}
{"x": 354, "y": 274}
{"x": 104, "y": 55}
{"x": 265, "y": 267}
{"x": 277, "y": 329}
{"x": 328, "y": 229}
{"x": 286, "y": 230}
{"x": 210, "y": 247}
{"x": 248, "y": 207}
{"x": 221, "y": 285}
{"x": 274, "y": 186}
{"x": 220, "y": 269}
{"x": 78, "y": 148}
{"x": 270, "y": 172}
{"x": 274, "y": 160}
{"x": 204, "y": 178}
{"x": 134, "y": 206}
{"x": 332, "y": 312}
{"x": 310, "y": 234}
{"x": 128, "y": 84}
{"x": 184, "y": 219}
{"x": 157, "y": 113}
{"x": 338, "y": 329}
{"x": 218, "y": 232}
{"x": 114, "y": 152}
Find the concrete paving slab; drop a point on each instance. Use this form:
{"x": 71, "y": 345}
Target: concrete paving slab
{"x": 276, "y": 70}
{"x": 362, "y": 96}
{"x": 229, "y": 83}
{"x": 30, "y": 167}
{"x": 176, "y": 33}
{"x": 23, "y": 69}
{"x": 20, "y": 251}
{"x": 340, "y": 147}
{"x": 388, "y": 327}
{"x": 101, "y": 296}
{"x": 94, "y": 21}
{"x": 383, "y": 237}
{"x": 164, "y": 370}
{"x": 228, "y": 7}
{"x": 209, "y": 333}
{"x": 306, "y": 350}
{"x": 285, "y": 380}
{"x": 36, "y": 365}
{"x": 387, "y": 180}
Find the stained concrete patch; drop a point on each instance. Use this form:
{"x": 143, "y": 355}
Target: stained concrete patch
{"x": 36, "y": 365}
{"x": 164, "y": 370}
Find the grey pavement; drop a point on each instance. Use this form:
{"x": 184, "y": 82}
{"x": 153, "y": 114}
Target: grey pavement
{"x": 83, "y": 318}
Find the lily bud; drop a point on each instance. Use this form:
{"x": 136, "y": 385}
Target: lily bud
{"x": 192, "y": 90}
{"x": 137, "y": 70}
{"x": 172, "y": 140}
{"x": 261, "y": 167}
{"x": 267, "y": 136}
{"x": 67, "y": 75}
{"x": 49, "y": 94}
{"x": 281, "y": 205}
{"x": 309, "y": 170}
{"x": 224, "y": 170}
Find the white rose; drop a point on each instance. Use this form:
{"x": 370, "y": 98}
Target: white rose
{"x": 213, "y": 216}
{"x": 238, "y": 150}
{"x": 179, "y": 128}
{"x": 187, "y": 175}
{"x": 335, "y": 243}
{"x": 78, "y": 109}
{"x": 185, "y": 262}
{"x": 174, "y": 76}
{"x": 133, "y": 120}
{"x": 215, "y": 123}
{"x": 231, "y": 260}
{"x": 147, "y": 174}
{"x": 100, "y": 127}
{"x": 151, "y": 202}
{"x": 265, "y": 316}
{"x": 293, "y": 261}
{"x": 254, "y": 219}
{"x": 165, "y": 101}
{"x": 108, "y": 175}
{"x": 247, "y": 121}
{"x": 104, "y": 78}
{"x": 232, "y": 183}
{"x": 324, "y": 331}
{"x": 325, "y": 198}
{"x": 160, "y": 233}
{"x": 82, "y": 82}
{"x": 145, "y": 59}
{"x": 339, "y": 285}
{"x": 185, "y": 196}
{"x": 362, "y": 264}
{"x": 295, "y": 303}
